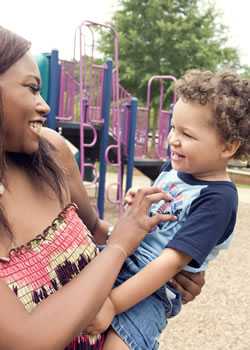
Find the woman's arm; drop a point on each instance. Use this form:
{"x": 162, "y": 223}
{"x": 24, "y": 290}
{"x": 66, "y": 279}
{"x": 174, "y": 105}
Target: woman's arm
{"x": 55, "y": 321}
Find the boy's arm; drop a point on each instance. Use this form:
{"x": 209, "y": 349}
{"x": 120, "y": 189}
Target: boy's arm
{"x": 148, "y": 280}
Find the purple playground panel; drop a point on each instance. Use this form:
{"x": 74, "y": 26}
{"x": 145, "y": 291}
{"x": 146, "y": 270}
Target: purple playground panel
{"x": 141, "y": 133}
{"x": 143, "y": 139}
{"x": 69, "y": 92}
{"x": 120, "y": 121}
{"x": 163, "y": 115}
{"x": 93, "y": 92}
{"x": 163, "y": 131}
{"x": 119, "y": 125}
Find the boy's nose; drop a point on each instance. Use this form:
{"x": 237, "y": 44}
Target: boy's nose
{"x": 173, "y": 140}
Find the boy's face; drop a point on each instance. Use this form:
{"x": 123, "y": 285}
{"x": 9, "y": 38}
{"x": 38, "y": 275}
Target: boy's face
{"x": 196, "y": 147}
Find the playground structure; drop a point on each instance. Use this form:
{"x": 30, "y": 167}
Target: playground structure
{"x": 91, "y": 109}
{"x": 96, "y": 90}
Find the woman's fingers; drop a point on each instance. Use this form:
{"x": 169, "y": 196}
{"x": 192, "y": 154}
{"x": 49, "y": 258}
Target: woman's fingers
{"x": 157, "y": 218}
{"x": 91, "y": 331}
{"x": 150, "y": 195}
{"x": 129, "y": 196}
{"x": 188, "y": 284}
{"x": 136, "y": 222}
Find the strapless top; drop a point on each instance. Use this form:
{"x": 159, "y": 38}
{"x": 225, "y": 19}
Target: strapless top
{"x": 39, "y": 268}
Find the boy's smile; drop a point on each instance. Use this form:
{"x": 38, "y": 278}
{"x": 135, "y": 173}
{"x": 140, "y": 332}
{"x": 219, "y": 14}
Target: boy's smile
{"x": 176, "y": 156}
{"x": 196, "y": 146}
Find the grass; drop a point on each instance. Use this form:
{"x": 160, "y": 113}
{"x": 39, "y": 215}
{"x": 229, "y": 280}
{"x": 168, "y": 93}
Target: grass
{"x": 243, "y": 186}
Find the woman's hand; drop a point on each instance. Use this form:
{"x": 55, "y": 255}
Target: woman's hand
{"x": 188, "y": 284}
{"x": 102, "y": 320}
{"x": 129, "y": 197}
{"x": 100, "y": 231}
{"x": 135, "y": 223}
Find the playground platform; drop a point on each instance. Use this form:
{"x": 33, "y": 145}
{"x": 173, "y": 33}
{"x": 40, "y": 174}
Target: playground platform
{"x": 240, "y": 175}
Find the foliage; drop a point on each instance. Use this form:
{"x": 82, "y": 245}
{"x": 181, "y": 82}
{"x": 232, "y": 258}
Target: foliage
{"x": 245, "y": 71}
{"x": 167, "y": 37}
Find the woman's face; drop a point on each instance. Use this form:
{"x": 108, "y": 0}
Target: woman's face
{"x": 24, "y": 109}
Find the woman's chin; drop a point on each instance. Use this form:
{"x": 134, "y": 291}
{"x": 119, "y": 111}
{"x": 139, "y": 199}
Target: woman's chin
{"x": 29, "y": 149}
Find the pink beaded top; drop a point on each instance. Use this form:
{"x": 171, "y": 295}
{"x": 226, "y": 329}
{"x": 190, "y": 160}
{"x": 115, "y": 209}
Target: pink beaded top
{"x": 39, "y": 268}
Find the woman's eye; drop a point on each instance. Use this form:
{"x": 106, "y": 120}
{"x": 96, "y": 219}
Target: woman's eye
{"x": 34, "y": 88}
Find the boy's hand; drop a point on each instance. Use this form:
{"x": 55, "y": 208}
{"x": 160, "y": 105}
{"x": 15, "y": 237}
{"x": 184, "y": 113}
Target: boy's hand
{"x": 103, "y": 319}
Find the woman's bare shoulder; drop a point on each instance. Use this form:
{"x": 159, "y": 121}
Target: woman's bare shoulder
{"x": 63, "y": 151}
{"x": 63, "y": 147}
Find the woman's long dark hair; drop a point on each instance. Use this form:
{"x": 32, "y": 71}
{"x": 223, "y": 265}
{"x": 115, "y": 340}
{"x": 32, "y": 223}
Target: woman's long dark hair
{"x": 41, "y": 165}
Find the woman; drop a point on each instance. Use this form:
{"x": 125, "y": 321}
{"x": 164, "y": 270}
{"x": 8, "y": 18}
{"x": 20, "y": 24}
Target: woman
{"x": 44, "y": 245}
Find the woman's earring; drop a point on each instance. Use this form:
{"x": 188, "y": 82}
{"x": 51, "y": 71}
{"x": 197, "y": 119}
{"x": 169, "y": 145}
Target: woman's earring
{"x": 2, "y": 189}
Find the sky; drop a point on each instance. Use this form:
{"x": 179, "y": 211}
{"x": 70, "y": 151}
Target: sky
{"x": 50, "y": 24}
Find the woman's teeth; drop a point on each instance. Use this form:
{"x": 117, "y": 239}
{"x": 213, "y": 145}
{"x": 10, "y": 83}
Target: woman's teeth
{"x": 36, "y": 126}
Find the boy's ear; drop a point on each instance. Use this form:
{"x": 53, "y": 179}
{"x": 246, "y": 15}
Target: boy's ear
{"x": 230, "y": 149}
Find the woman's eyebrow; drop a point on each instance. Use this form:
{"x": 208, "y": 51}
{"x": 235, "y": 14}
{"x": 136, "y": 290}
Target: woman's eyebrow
{"x": 38, "y": 80}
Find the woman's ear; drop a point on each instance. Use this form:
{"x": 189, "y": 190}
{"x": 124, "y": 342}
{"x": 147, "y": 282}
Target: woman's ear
{"x": 230, "y": 149}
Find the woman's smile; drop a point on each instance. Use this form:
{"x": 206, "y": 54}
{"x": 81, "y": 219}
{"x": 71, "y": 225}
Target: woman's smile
{"x": 36, "y": 126}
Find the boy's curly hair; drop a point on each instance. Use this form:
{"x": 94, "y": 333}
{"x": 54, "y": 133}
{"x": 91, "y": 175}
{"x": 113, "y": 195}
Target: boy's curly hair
{"x": 229, "y": 96}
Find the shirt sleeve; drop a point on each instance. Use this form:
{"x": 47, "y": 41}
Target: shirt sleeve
{"x": 166, "y": 166}
{"x": 210, "y": 221}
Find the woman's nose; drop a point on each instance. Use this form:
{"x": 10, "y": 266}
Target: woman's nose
{"x": 43, "y": 107}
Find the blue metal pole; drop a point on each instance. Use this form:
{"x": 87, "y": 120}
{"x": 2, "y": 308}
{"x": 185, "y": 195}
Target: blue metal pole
{"x": 131, "y": 143}
{"x": 107, "y": 90}
{"x": 54, "y": 83}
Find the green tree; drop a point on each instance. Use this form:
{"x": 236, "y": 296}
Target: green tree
{"x": 167, "y": 37}
{"x": 245, "y": 71}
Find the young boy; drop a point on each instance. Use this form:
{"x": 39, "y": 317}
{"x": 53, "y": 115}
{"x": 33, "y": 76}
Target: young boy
{"x": 210, "y": 126}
